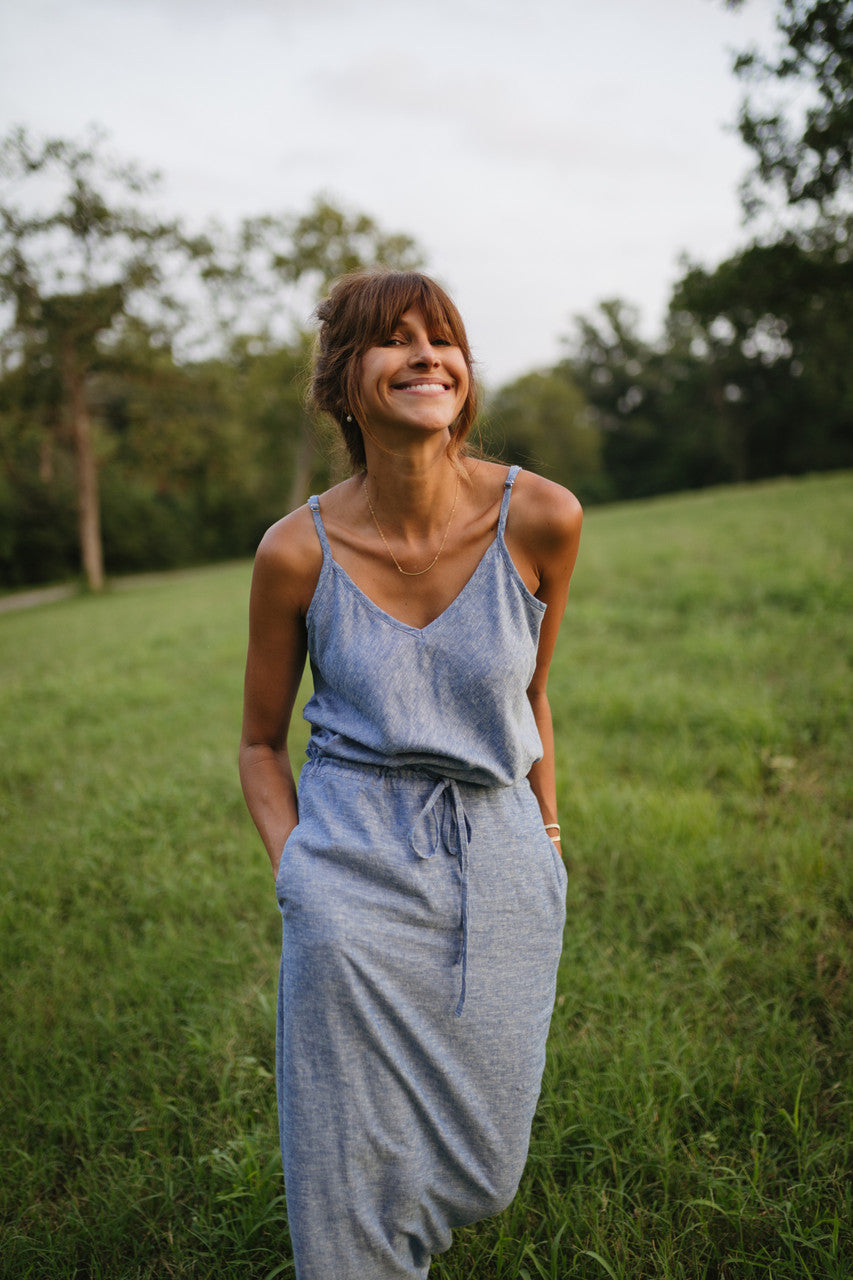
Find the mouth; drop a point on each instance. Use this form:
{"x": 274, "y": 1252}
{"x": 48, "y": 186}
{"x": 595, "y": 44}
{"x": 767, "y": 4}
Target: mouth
{"x": 422, "y": 388}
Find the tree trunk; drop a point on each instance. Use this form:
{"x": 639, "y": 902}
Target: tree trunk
{"x": 88, "y": 511}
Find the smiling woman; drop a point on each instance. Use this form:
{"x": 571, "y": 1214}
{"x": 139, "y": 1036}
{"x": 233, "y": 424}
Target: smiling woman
{"x": 364, "y": 316}
{"x": 418, "y": 870}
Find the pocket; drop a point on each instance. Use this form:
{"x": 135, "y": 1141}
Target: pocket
{"x": 539, "y": 837}
{"x": 285, "y": 858}
{"x": 557, "y": 863}
{"x": 558, "y": 867}
{"x": 562, "y": 873}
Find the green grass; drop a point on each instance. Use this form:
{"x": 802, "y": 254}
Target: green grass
{"x": 695, "y": 1120}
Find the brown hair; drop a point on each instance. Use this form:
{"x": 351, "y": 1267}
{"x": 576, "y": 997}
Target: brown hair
{"x": 362, "y": 310}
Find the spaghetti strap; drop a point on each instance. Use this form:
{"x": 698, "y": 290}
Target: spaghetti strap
{"x": 508, "y": 483}
{"x": 314, "y": 504}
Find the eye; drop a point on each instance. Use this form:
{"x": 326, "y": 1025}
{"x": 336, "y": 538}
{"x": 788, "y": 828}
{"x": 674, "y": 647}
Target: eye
{"x": 395, "y": 341}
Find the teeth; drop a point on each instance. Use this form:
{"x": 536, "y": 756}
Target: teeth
{"x": 425, "y": 386}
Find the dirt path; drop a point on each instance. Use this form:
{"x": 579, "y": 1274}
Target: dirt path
{"x": 66, "y": 590}
{"x": 39, "y": 595}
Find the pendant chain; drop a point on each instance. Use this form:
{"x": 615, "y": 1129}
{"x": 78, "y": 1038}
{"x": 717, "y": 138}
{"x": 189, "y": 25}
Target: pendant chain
{"x": 411, "y": 573}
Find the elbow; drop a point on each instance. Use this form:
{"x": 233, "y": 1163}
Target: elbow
{"x": 253, "y": 752}
{"x": 250, "y": 754}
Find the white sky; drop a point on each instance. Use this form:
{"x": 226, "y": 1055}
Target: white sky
{"x": 545, "y": 154}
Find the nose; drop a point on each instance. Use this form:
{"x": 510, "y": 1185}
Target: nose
{"x": 424, "y": 354}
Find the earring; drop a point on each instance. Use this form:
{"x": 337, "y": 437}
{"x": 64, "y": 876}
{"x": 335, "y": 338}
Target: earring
{"x": 349, "y": 417}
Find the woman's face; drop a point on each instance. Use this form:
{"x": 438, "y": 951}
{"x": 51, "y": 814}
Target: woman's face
{"x": 416, "y": 379}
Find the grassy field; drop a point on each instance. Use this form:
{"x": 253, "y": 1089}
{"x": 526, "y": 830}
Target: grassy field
{"x": 695, "y": 1120}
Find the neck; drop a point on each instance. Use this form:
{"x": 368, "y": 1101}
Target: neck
{"x": 411, "y": 491}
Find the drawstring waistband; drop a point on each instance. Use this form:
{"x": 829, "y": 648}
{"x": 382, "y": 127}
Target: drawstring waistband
{"x": 453, "y": 833}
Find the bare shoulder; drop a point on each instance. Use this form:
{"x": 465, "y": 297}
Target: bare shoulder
{"x": 289, "y": 559}
{"x": 544, "y": 516}
{"x": 291, "y": 542}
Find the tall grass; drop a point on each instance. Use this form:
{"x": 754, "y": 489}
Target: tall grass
{"x": 695, "y": 1120}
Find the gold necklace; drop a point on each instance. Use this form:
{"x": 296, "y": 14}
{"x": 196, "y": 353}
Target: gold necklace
{"x": 411, "y": 573}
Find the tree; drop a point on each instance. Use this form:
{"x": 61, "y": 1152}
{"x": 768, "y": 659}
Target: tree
{"x": 663, "y": 427}
{"x": 752, "y": 378}
{"x": 803, "y": 140}
{"x": 267, "y": 390}
{"x": 753, "y": 375}
{"x": 94, "y": 349}
{"x": 773, "y": 327}
{"x": 625, "y": 382}
{"x": 541, "y": 420}
{"x": 71, "y": 274}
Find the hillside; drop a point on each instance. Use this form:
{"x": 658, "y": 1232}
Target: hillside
{"x": 695, "y": 1118}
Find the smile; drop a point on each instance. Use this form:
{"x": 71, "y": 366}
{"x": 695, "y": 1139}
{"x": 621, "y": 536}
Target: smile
{"x": 423, "y": 388}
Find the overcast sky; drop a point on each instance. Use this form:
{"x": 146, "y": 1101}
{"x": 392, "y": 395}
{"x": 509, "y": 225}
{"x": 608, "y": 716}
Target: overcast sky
{"x": 545, "y": 154}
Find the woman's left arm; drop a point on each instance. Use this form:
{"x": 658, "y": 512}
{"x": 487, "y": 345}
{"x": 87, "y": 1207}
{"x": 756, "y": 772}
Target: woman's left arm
{"x": 544, "y": 535}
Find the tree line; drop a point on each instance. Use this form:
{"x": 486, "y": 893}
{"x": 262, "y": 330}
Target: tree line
{"x": 151, "y": 380}
{"x": 753, "y": 374}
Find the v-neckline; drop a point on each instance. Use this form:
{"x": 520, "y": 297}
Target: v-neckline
{"x": 398, "y": 622}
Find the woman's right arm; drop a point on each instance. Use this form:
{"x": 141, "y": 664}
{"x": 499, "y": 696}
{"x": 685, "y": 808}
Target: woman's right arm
{"x": 286, "y": 570}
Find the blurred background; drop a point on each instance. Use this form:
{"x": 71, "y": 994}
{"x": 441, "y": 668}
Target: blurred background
{"x": 643, "y": 211}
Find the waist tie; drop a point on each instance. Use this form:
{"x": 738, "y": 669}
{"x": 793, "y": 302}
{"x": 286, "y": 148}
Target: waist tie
{"x": 452, "y": 833}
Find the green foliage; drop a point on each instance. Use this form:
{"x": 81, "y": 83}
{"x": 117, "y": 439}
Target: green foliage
{"x": 70, "y": 271}
{"x": 165, "y": 459}
{"x": 803, "y": 140}
{"x": 268, "y": 393}
{"x": 264, "y": 278}
{"x": 38, "y": 534}
{"x": 327, "y": 242}
{"x": 657, "y": 434}
{"x": 101, "y": 376}
{"x": 195, "y": 460}
{"x": 620, "y": 376}
{"x": 772, "y": 329}
{"x": 540, "y": 421}
{"x": 695, "y": 1118}
{"x": 70, "y": 275}
{"x": 752, "y": 377}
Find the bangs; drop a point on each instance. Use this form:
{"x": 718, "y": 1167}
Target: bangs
{"x": 389, "y": 297}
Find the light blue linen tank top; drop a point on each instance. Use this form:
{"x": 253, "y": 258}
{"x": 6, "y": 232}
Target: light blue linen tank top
{"x": 449, "y": 698}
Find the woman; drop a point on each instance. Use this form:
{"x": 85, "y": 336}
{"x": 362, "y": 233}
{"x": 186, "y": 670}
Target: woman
{"x": 418, "y": 874}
